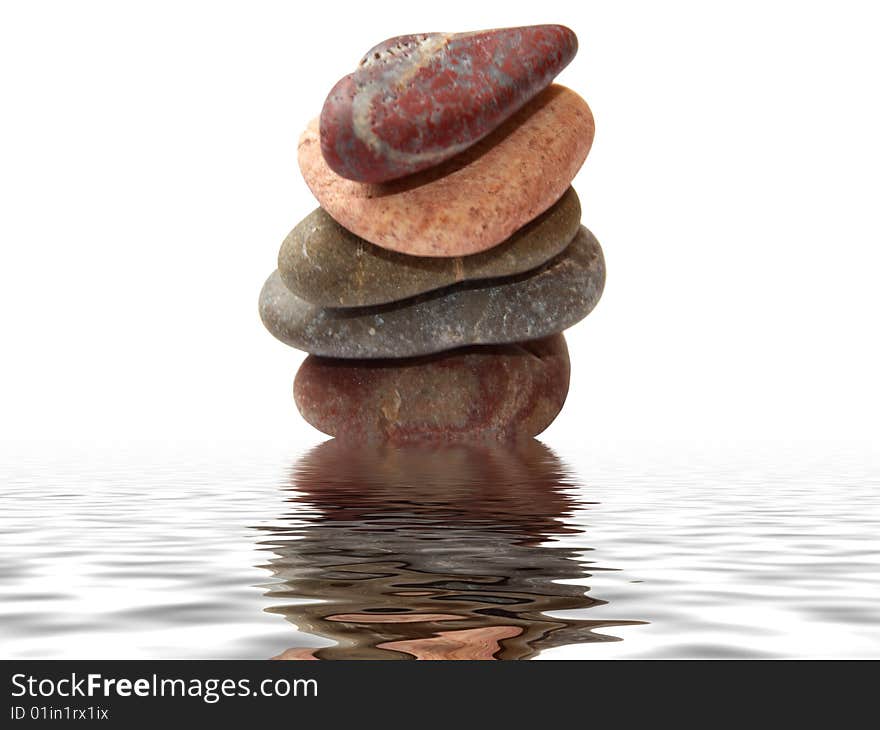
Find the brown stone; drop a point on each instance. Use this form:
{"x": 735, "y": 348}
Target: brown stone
{"x": 501, "y": 392}
{"x": 324, "y": 264}
{"x": 473, "y": 201}
{"x": 514, "y": 309}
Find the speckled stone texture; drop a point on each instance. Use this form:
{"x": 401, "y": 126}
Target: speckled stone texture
{"x": 325, "y": 264}
{"x": 525, "y": 307}
{"x": 417, "y": 100}
{"x": 501, "y": 392}
{"x": 473, "y": 201}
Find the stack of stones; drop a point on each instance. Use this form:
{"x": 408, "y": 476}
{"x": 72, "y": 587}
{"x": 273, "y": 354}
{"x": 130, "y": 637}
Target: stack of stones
{"x": 433, "y": 284}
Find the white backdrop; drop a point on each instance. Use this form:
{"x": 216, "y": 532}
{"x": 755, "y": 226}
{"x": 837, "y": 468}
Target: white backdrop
{"x": 148, "y": 175}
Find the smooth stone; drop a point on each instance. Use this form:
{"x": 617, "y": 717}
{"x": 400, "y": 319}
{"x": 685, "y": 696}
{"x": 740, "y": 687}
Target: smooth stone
{"x": 325, "y": 264}
{"x": 525, "y": 307}
{"x": 474, "y": 201}
{"x": 417, "y": 100}
{"x": 499, "y": 392}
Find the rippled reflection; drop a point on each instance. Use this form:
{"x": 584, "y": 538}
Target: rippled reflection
{"x": 430, "y": 552}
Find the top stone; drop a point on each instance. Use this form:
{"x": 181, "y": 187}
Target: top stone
{"x": 417, "y": 100}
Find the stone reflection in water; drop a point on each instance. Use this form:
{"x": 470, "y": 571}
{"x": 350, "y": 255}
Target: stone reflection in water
{"x": 430, "y": 552}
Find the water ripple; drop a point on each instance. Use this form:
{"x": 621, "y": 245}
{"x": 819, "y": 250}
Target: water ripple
{"x": 451, "y": 552}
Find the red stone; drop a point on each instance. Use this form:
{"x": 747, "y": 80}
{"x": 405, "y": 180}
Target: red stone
{"x": 499, "y": 392}
{"x": 417, "y": 100}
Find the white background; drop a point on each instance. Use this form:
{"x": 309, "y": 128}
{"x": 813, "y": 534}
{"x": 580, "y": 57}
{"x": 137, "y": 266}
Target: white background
{"x": 148, "y": 175}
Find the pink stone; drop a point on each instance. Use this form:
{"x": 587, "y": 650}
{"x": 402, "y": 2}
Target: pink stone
{"x": 417, "y": 100}
{"x": 474, "y": 201}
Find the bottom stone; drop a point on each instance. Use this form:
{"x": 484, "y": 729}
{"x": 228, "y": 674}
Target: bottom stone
{"x": 500, "y": 392}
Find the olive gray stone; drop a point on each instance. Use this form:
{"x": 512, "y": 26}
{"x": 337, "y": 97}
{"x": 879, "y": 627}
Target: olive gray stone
{"x": 525, "y": 307}
{"x": 328, "y": 265}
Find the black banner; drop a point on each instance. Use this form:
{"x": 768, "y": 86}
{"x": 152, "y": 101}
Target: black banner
{"x": 140, "y": 693}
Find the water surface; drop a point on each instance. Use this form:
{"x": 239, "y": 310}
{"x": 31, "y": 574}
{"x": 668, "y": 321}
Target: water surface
{"x": 334, "y": 552}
